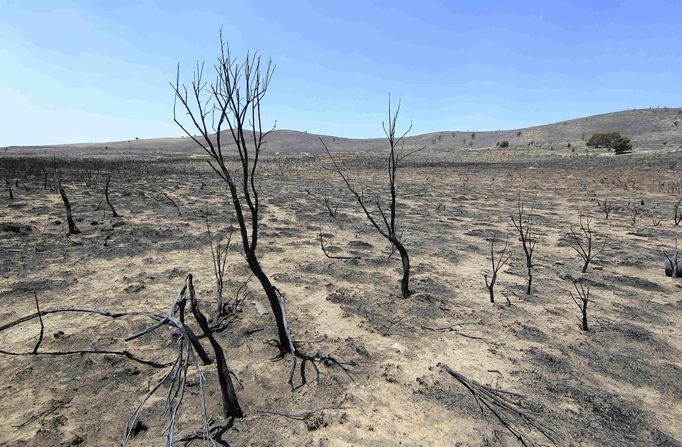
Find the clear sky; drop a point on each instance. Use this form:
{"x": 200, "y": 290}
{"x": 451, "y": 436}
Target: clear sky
{"x": 85, "y": 71}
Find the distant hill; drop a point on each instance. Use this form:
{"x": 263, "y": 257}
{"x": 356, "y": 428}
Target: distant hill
{"x": 649, "y": 129}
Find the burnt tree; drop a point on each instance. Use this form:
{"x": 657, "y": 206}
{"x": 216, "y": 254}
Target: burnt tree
{"x": 523, "y": 222}
{"x": 332, "y": 213}
{"x": 219, "y": 257}
{"x": 585, "y": 244}
{"x": 497, "y": 261}
{"x": 385, "y": 224}
{"x": 9, "y": 189}
{"x": 106, "y": 196}
{"x": 232, "y": 103}
{"x": 672, "y": 267}
{"x": 230, "y": 107}
{"x": 73, "y": 229}
{"x": 604, "y": 205}
{"x": 581, "y": 300}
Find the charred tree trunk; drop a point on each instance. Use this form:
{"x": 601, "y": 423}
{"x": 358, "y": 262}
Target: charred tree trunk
{"x": 285, "y": 341}
{"x": 581, "y": 299}
{"x": 243, "y": 118}
{"x": 73, "y": 229}
{"x": 524, "y": 225}
{"x": 106, "y": 196}
{"x": 386, "y": 222}
{"x": 405, "y": 281}
{"x": 332, "y": 213}
{"x": 530, "y": 278}
{"x": 231, "y": 406}
{"x": 496, "y": 263}
{"x": 584, "y": 319}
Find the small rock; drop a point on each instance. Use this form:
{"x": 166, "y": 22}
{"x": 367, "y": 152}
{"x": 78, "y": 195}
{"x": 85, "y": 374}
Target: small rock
{"x": 138, "y": 428}
{"x": 259, "y": 307}
{"x": 362, "y": 351}
{"x": 390, "y": 378}
{"x": 315, "y": 421}
{"x": 565, "y": 275}
{"x": 176, "y": 271}
{"x": 134, "y": 288}
{"x": 671, "y": 269}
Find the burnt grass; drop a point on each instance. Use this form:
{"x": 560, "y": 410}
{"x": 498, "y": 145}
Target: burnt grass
{"x": 619, "y": 384}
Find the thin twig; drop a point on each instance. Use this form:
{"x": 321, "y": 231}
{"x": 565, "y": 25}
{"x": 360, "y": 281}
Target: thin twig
{"x": 44, "y": 413}
{"x": 42, "y": 326}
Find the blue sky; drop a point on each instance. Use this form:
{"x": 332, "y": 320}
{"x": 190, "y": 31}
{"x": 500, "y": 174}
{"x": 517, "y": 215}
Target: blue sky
{"x": 99, "y": 70}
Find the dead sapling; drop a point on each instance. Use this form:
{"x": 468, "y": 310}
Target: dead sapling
{"x": 672, "y": 264}
{"x": 73, "y": 229}
{"x": 605, "y": 206}
{"x": 391, "y": 248}
{"x": 230, "y": 107}
{"x": 46, "y": 181}
{"x": 326, "y": 253}
{"x": 219, "y": 257}
{"x": 332, "y": 213}
{"x": 585, "y": 244}
{"x": 106, "y": 196}
{"x": 581, "y": 299}
{"x": 677, "y": 212}
{"x": 9, "y": 189}
{"x": 386, "y": 222}
{"x": 497, "y": 261}
{"x": 655, "y": 220}
{"x": 172, "y": 202}
{"x": 523, "y": 222}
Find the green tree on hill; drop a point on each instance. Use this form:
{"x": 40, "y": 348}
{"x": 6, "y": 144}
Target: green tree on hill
{"x": 606, "y": 139}
{"x": 622, "y": 145}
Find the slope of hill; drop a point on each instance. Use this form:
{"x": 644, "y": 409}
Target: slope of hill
{"x": 649, "y": 129}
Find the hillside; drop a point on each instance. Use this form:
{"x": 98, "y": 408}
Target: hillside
{"x": 649, "y": 129}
